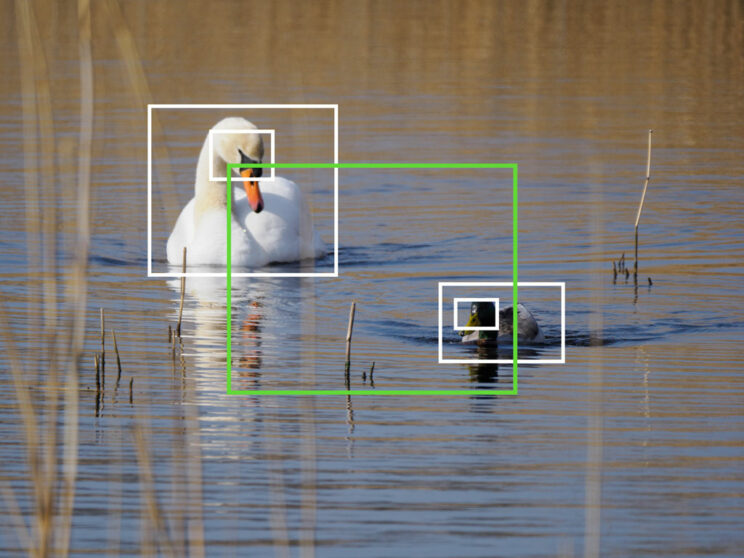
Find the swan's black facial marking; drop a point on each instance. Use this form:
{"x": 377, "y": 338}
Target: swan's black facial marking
{"x": 245, "y": 160}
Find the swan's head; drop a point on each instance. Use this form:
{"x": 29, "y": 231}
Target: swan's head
{"x": 233, "y": 145}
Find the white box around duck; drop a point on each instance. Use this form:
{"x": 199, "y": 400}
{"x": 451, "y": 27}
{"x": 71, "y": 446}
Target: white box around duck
{"x": 488, "y": 284}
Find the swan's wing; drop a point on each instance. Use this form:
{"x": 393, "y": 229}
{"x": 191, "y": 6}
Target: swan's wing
{"x": 206, "y": 242}
{"x": 182, "y": 235}
{"x": 284, "y": 229}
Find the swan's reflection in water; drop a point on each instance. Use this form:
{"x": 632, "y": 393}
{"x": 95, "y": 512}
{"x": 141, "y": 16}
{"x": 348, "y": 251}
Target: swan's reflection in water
{"x": 250, "y": 334}
{"x": 266, "y": 319}
{"x": 234, "y": 433}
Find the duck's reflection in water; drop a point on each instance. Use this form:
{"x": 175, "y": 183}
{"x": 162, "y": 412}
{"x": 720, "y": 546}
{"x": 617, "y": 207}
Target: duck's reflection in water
{"x": 485, "y": 373}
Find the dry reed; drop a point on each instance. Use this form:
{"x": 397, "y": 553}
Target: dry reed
{"x": 24, "y": 15}
{"x": 30, "y": 424}
{"x": 640, "y": 206}
{"x": 183, "y": 290}
{"x": 43, "y": 520}
{"x": 98, "y": 384}
{"x": 51, "y": 488}
{"x": 103, "y": 342}
{"x": 142, "y": 96}
{"x": 118, "y": 360}
{"x": 349, "y": 331}
{"x": 78, "y": 287}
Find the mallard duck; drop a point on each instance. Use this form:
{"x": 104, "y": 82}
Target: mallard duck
{"x": 483, "y": 313}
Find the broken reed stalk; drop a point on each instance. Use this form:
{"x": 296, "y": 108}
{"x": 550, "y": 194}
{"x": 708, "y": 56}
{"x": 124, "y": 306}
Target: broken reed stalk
{"x": 183, "y": 290}
{"x": 98, "y": 384}
{"x": 98, "y": 372}
{"x": 103, "y": 343}
{"x": 371, "y": 375}
{"x": 640, "y": 206}
{"x": 118, "y": 359}
{"x": 352, "y": 311}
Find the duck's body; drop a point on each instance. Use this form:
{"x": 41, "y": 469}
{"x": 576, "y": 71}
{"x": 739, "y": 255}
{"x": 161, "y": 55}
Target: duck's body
{"x": 272, "y": 224}
{"x": 528, "y": 330}
{"x": 482, "y": 313}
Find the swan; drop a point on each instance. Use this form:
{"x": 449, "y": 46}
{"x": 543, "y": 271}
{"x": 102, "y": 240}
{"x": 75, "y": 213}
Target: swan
{"x": 268, "y": 224}
{"x": 528, "y": 330}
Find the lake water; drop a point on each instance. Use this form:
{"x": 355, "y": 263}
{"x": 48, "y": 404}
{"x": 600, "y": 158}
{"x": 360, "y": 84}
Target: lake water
{"x": 634, "y": 446}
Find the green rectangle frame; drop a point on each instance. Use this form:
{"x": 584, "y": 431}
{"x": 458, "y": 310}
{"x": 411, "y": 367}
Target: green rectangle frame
{"x": 373, "y": 391}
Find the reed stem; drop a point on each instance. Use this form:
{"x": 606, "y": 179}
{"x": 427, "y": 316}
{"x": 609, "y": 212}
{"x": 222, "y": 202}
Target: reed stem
{"x": 79, "y": 273}
{"x": 98, "y": 384}
{"x": 183, "y": 290}
{"x": 103, "y": 343}
{"x": 640, "y": 206}
{"x": 118, "y": 359}
{"x": 98, "y": 372}
{"x": 349, "y": 331}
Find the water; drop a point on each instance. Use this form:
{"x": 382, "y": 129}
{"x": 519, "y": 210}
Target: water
{"x": 633, "y": 447}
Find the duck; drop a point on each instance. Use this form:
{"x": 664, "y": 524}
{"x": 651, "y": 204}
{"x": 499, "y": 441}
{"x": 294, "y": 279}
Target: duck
{"x": 269, "y": 224}
{"x": 484, "y": 313}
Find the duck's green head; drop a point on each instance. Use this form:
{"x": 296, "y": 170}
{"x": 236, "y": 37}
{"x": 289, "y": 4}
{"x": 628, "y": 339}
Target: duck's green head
{"x": 481, "y": 314}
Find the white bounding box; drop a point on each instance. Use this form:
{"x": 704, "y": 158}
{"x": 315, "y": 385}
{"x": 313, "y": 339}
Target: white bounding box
{"x": 487, "y": 284}
{"x": 331, "y": 107}
{"x": 494, "y": 327}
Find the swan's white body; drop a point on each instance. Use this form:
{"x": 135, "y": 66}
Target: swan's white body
{"x": 282, "y": 232}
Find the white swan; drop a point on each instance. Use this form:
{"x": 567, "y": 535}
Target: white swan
{"x": 270, "y": 224}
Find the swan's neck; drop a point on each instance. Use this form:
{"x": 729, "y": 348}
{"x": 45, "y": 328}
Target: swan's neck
{"x": 208, "y": 194}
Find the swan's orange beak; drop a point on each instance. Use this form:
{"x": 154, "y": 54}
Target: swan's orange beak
{"x": 252, "y": 190}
